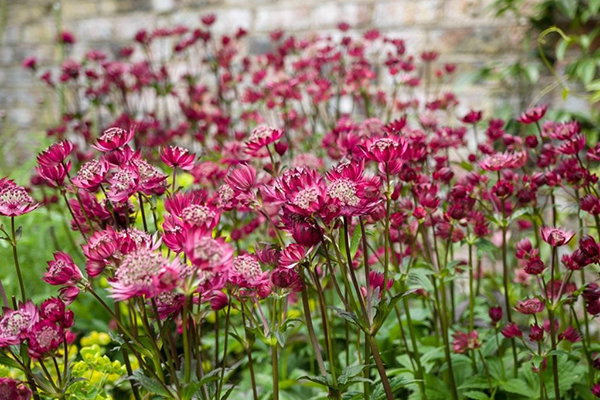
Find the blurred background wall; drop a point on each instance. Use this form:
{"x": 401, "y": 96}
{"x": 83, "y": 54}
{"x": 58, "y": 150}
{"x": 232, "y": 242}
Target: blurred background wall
{"x": 465, "y": 32}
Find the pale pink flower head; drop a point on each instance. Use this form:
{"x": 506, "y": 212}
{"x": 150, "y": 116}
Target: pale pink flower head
{"x": 530, "y": 306}
{"x": 384, "y": 149}
{"x": 91, "y": 174}
{"x": 260, "y": 137}
{"x": 533, "y": 115}
{"x": 246, "y": 271}
{"x": 292, "y": 255}
{"x": 113, "y": 138}
{"x": 465, "y": 341}
{"x": 15, "y": 324}
{"x": 565, "y": 130}
{"x": 100, "y": 250}
{"x": 206, "y": 253}
{"x": 62, "y": 270}
{"x": 135, "y": 275}
{"x": 55, "y": 154}
{"x": 177, "y": 157}
{"x": 556, "y": 237}
{"x": 14, "y": 199}
{"x": 242, "y": 178}
{"x": 11, "y": 389}
{"x": 44, "y": 337}
{"x": 303, "y": 191}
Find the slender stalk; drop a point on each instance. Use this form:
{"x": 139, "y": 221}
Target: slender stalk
{"x": 552, "y": 327}
{"x": 16, "y": 259}
{"x": 505, "y": 275}
{"x": 311, "y": 331}
{"x": 227, "y": 319}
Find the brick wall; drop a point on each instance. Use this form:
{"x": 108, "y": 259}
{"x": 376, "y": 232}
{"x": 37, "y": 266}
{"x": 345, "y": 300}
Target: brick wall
{"x": 464, "y": 31}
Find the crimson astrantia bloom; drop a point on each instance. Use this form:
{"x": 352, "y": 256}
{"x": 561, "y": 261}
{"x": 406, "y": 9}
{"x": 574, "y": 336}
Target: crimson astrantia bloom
{"x": 351, "y": 191}
{"x": 533, "y": 115}
{"x": 132, "y": 239}
{"x": 54, "y": 310}
{"x": 62, "y": 270}
{"x": 206, "y": 253}
{"x": 44, "y": 337}
{"x": 246, "y": 271}
{"x": 536, "y": 334}
{"x": 242, "y": 178}
{"x": 565, "y": 130}
{"x": 591, "y": 204}
{"x": 472, "y": 117}
{"x": 570, "y": 334}
{"x": 55, "y": 154}
{"x": 124, "y": 183}
{"x": 151, "y": 180}
{"x": 54, "y": 175}
{"x": 11, "y": 389}
{"x": 556, "y": 237}
{"x": 113, "y": 138}
{"x": 14, "y": 199}
{"x": 376, "y": 282}
{"x": 91, "y": 174}
{"x": 177, "y": 157}
{"x": 192, "y": 211}
{"x": 15, "y": 324}
{"x": 292, "y": 255}
{"x": 495, "y": 314}
{"x": 384, "y": 149}
{"x": 535, "y": 266}
{"x": 100, "y": 249}
{"x": 286, "y": 278}
{"x": 260, "y": 137}
{"x": 301, "y": 190}
{"x": 465, "y": 341}
{"x": 596, "y": 390}
{"x": 511, "y": 330}
{"x": 134, "y": 276}
{"x": 499, "y": 161}
{"x": 530, "y": 306}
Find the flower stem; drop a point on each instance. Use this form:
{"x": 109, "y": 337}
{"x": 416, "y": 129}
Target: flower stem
{"x": 16, "y": 259}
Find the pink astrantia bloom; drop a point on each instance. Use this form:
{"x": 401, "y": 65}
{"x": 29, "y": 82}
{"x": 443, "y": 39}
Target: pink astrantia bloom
{"x": 292, "y": 255}
{"x": 302, "y": 191}
{"x": 55, "y": 154}
{"x": 113, "y": 138}
{"x": 177, "y": 157}
{"x": 11, "y": 389}
{"x": 530, "y": 306}
{"x": 134, "y": 276}
{"x": 512, "y": 330}
{"x": 465, "y": 341}
{"x": 14, "y": 199}
{"x": 556, "y": 237}
{"x": 533, "y": 114}
{"x": 384, "y": 149}
{"x": 353, "y": 193}
{"x": 206, "y": 253}
{"x": 44, "y": 337}
{"x": 54, "y": 175}
{"x": 246, "y": 271}
{"x": 91, "y": 174}
{"x": 500, "y": 161}
{"x": 62, "y": 270}
{"x": 151, "y": 180}
{"x": 124, "y": 183}
{"x": 260, "y": 137}
{"x": 15, "y": 324}
{"x": 100, "y": 250}
{"x": 472, "y": 117}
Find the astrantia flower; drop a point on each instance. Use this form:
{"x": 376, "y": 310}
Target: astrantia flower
{"x": 208, "y": 254}
{"x": 351, "y": 191}
{"x": 511, "y": 331}
{"x": 536, "y": 334}
{"x": 11, "y": 389}
{"x": 62, "y": 270}
{"x": 465, "y": 341}
{"x": 151, "y": 180}
{"x": 44, "y": 337}
{"x": 54, "y": 175}
{"x": 570, "y": 334}
{"x": 384, "y": 149}
{"x": 246, "y": 271}
{"x": 100, "y": 248}
{"x": 495, "y": 314}
{"x": 113, "y": 138}
{"x": 177, "y": 157}
{"x": 15, "y": 324}
{"x": 55, "y": 154}
{"x": 14, "y": 199}
{"x": 556, "y": 237}
{"x": 91, "y": 174}
{"x": 260, "y": 137}
{"x": 472, "y": 117}
{"x": 286, "y": 278}
{"x": 533, "y": 114}
{"x": 596, "y": 390}
{"x": 55, "y": 310}
{"x": 530, "y": 306}
{"x": 499, "y": 161}
{"x": 302, "y": 191}
{"x": 292, "y": 255}
{"x": 134, "y": 276}
{"x": 124, "y": 183}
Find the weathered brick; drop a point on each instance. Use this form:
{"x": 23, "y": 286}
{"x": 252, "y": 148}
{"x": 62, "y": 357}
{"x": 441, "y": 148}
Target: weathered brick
{"x": 406, "y": 12}
{"x": 291, "y": 19}
{"x": 77, "y": 10}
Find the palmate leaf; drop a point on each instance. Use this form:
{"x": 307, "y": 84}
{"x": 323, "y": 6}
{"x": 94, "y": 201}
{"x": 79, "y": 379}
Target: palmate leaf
{"x": 476, "y": 395}
{"x": 150, "y": 384}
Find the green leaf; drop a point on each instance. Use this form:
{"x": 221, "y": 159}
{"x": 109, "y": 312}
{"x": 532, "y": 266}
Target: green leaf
{"x": 348, "y": 373}
{"x": 476, "y": 395}
{"x": 518, "y": 386}
{"x": 594, "y": 6}
{"x": 419, "y": 278}
{"x": 355, "y": 241}
{"x": 150, "y": 384}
